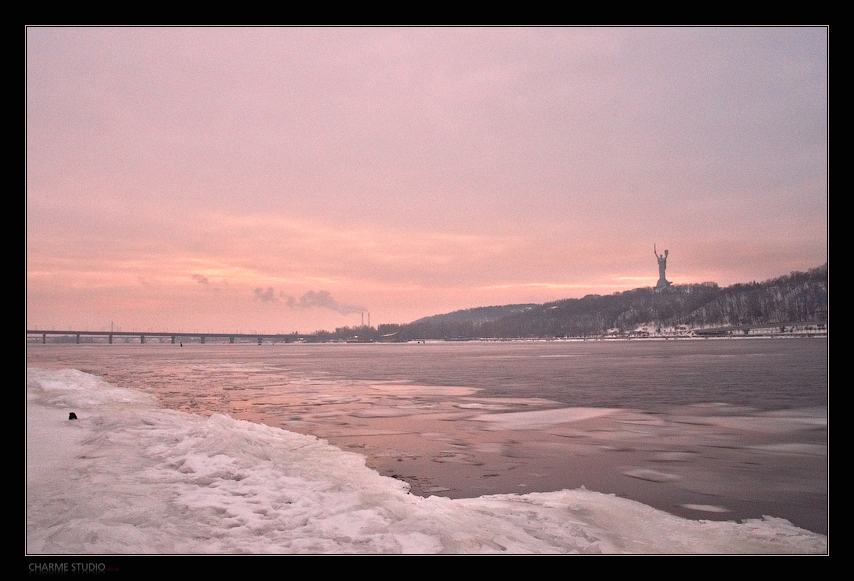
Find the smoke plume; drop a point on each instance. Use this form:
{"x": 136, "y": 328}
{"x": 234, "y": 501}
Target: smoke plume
{"x": 323, "y": 299}
{"x": 265, "y": 296}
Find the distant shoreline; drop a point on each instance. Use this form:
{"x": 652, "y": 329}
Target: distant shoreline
{"x": 64, "y": 340}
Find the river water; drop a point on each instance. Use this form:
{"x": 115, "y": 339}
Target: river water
{"x": 721, "y": 429}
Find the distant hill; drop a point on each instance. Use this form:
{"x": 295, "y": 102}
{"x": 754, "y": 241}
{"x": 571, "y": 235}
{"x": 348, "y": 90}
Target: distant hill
{"x": 796, "y": 297}
{"x": 478, "y": 315}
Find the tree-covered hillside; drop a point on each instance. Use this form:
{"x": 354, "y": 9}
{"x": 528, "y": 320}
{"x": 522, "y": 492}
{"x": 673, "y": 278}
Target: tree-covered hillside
{"x": 796, "y": 297}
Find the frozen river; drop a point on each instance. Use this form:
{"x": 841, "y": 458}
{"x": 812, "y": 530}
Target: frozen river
{"x": 701, "y": 429}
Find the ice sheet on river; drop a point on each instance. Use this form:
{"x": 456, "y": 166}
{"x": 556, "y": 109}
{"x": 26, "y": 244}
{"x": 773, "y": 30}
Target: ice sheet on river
{"x": 129, "y": 477}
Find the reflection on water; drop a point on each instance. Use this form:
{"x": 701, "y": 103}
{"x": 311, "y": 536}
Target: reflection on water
{"x": 725, "y": 429}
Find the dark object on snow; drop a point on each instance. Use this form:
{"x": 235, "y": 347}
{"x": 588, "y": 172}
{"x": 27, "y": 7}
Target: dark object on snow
{"x": 72, "y": 416}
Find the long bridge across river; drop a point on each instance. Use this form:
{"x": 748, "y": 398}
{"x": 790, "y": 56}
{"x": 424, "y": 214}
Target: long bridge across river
{"x": 798, "y": 329}
{"x": 172, "y": 337}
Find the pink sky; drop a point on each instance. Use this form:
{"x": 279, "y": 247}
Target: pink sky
{"x": 281, "y": 179}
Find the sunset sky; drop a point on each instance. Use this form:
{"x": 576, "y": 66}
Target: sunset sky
{"x": 287, "y": 179}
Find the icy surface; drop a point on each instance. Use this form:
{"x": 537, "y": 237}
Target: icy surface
{"x": 129, "y": 477}
{"x": 539, "y": 419}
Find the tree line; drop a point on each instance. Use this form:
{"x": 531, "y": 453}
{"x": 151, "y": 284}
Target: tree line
{"x": 796, "y": 297}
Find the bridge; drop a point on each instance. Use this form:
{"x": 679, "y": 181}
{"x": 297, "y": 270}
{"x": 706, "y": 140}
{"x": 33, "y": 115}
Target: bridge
{"x": 169, "y": 336}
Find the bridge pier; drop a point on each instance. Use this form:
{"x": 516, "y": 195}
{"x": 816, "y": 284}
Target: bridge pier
{"x": 110, "y": 339}
{"x": 260, "y": 339}
{"x": 142, "y": 339}
{"x": 78, "y": 338}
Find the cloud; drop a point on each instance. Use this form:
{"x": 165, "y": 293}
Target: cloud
{"x": 201, "y": 279}
{"x": 323, "y": 299}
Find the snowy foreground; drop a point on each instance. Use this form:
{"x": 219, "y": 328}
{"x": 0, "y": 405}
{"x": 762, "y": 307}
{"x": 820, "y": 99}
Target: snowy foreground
{"x": 128, "y": 477}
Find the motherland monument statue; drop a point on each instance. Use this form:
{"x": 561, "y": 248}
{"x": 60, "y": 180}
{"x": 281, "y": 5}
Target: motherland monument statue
{"x": 662, "y": 266}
